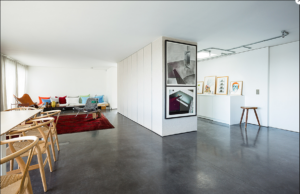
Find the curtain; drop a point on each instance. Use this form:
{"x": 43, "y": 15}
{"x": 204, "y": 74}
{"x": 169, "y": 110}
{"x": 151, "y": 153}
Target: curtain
{"x": 3, "y": 85}
{"x": 13, "y": 81}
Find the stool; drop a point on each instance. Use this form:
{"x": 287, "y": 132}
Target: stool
{"x": 96, "y": 114}
{"x": 247, "y": 108}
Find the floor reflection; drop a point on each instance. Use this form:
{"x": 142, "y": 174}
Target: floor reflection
{"x": 244, "y": 134}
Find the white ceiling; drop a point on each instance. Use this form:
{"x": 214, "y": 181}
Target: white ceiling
{"x": 99, "y": 34}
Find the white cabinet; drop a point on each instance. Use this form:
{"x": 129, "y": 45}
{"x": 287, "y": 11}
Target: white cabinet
{"x": 225, "y": 109}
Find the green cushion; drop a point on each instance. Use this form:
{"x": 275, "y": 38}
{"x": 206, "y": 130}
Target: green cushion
{"x": 80, "y": 100}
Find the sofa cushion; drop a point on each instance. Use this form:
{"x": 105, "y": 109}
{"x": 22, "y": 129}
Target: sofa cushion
{"x": 62, "y": 100}
{"x": 46, "y": 100}
{"x": 72, "y": 100}
{"x": 84, "y": 99}
{"x": 80, "y": 98}
{"x": 40, "y": 99}
{"x": 73, "y": 97}
{"x": 54, "y": 99}
{"x": 100, "y": 98}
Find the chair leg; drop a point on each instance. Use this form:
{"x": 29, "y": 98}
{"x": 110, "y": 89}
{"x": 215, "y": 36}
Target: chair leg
{"x": 29, "y": 186}
{"x": 242, "y": 116}
{"x": 56, "y": 141}
{"x": 52, "y": 146}
{"x": 87, "y": 114}
{"x": 77, "y": 113}
{"x": 41, "y": 167}
{"x": 246, "y": 118}
{"x": 256, "y": 117}
{"x": 49, "y": 159}
{"x": 11, "y": 163}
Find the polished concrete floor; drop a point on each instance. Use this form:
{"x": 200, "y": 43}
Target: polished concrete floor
{"x": 216, "y": 159}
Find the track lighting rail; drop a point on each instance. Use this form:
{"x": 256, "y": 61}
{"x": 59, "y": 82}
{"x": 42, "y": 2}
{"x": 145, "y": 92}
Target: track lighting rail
{"x": 283, "y": 34}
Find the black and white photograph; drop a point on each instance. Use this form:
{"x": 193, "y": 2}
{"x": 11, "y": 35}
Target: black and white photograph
{"x": 181, "y": 64}
{"x": 180, "y": 102}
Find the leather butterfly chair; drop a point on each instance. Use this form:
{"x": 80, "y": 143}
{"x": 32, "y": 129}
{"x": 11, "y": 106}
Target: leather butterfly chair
{"x": 25, "y": 100}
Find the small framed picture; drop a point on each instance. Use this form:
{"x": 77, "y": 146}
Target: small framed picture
{"x": 222, "y": 85}
{"x": 180, "y": 102}
{"x": 236, "y": 88}
{"x": 200, "y": 87}
{"x": 209, "y": 85}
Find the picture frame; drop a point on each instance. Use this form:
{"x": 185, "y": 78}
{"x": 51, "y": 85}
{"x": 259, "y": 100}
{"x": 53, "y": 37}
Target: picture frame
{"x": 200, "y": 87}
{"x": 180, "y": 64}
{"x": 209, "y": 86}
{"x": 180, "y": 102}
{"x": 222, "y": 85}
{"x": 236, "y": 88}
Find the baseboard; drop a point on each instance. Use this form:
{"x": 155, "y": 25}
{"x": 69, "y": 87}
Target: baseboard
{"x": 213, "y": 119}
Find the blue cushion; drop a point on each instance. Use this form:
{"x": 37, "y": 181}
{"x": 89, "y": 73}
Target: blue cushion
{"x": 84, "y": 99}
{"x": 100, "y": 98}
{"x": 46, "y": 100}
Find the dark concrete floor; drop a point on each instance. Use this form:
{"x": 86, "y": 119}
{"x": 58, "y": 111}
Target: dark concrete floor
{"x": 216, "y": 159}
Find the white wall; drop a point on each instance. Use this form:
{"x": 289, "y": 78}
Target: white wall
{"x": 273, "y": 71}
{"x": 249, "y": 67}
{"x": 111, "y": 87}
{"x": 48, "y": 81}
{"x": 284, "y": 86}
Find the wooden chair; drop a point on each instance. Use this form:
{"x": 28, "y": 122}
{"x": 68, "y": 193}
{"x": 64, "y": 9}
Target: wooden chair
{"x": 35, "y": 132}
{"x": 247, "y": 108}
{"x": 21, "y": 126}
{"x": 18, "y": 183}
{"x": 41, "y": 148}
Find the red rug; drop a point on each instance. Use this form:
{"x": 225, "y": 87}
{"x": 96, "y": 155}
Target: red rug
{"x": 72, "y": 124}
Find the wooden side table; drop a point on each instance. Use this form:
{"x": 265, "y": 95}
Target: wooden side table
{"x": 247, "y": 109}
{"x": 96, "y": 114}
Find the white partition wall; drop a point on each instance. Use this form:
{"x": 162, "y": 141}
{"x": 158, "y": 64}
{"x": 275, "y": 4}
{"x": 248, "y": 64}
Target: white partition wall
{"x": 147, "y": 87}
{"x": 157, "y": 87}
{"x": 119, "y": 87}
{"x": 140, "y": 102}
{"x": 129, "y": 88}
{"x": 134, "y": 87}
{"x": 142, "y": 80}
{"x": 125, "y": 89}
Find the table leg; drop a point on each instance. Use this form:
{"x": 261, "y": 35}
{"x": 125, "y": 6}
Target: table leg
{"x": 256, "y": 117}
{"x": 246, "y": 118}
{"x": 242, "y": 116}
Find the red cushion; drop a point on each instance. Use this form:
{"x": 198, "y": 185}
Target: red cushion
{"x": 40, "y": 99}
{"x": 62, "y": 100}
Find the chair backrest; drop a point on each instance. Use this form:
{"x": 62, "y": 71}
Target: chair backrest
{"x": 38, "y": 124}
{"x": 25, "y": 99}
{"x": 91, "y": 103}
{"x": 49, "y": 114}
{"x": 16, "y": 155}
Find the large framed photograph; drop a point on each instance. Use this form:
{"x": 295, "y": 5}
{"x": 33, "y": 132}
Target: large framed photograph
{"x": 180, "y": 102}
{"x": 181, "y": 64}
